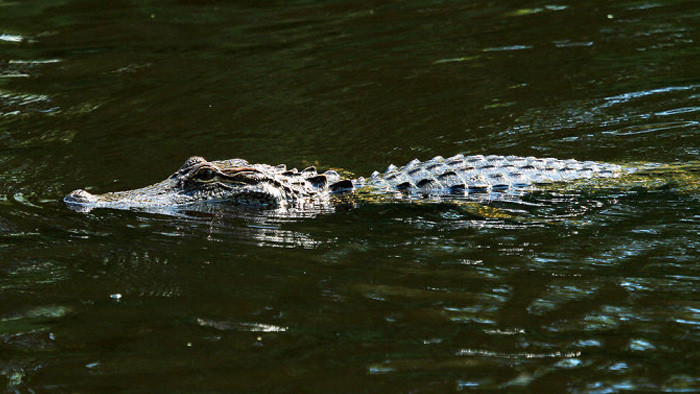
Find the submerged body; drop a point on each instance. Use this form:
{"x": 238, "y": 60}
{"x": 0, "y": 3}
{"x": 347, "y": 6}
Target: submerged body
{"x": 239, "y": 182}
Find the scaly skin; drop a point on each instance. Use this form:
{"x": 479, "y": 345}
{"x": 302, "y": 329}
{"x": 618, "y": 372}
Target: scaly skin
{"x": 236, "y": 181}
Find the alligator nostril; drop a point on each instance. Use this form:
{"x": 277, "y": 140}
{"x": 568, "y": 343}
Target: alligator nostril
{"x": 79, "y": 196}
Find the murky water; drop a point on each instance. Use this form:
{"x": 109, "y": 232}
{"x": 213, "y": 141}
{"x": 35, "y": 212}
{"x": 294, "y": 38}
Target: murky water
{"x": 586, "y": 291}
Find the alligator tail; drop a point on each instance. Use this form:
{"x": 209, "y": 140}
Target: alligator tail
{"x": 683, "y": 176}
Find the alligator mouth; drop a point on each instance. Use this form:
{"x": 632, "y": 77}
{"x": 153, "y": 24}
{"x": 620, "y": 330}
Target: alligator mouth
{"x": 80, "y": 197}
{"x": 252, "y": 194}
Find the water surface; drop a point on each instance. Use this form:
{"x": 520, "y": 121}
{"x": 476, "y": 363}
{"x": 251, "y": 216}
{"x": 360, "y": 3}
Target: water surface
{"x": 585, "y": 291}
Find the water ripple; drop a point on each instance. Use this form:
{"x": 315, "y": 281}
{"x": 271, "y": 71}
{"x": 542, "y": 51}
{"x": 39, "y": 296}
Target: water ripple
{"x": 11, "y": 38}
{"x": 627, "y": 97}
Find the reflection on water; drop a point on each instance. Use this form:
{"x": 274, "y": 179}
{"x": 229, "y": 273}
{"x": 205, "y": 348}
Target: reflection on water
{"x": 583, "y": 289}
{"x": 13, "y": 102}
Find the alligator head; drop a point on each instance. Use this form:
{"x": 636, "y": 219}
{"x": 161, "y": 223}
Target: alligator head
{"x": 235, "y": 181}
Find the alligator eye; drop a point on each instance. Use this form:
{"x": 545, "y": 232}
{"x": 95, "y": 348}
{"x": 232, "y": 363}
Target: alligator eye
{"x": 205, "y": 175}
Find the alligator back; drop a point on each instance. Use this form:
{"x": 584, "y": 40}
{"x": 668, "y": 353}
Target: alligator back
{"x": 483, "y": 174}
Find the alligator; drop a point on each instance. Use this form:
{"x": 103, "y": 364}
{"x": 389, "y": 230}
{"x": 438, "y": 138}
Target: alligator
{"x": 261, "y": 185}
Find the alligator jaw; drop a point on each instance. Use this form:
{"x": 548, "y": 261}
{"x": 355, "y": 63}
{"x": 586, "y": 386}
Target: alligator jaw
{"x": 157, "y": 196}
{"x": 83, "y": 201}
{"x": 80, "y": 197}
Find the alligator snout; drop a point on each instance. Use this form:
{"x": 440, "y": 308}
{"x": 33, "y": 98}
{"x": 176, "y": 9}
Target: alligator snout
{"x": 79, "y": 196}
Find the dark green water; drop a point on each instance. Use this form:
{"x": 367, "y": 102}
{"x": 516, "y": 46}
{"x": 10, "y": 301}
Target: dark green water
{"x": 585, "y": 292}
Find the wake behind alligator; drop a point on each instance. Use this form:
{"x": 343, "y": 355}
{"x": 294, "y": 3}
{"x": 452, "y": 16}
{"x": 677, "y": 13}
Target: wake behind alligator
{"x": 479, "y": 178}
